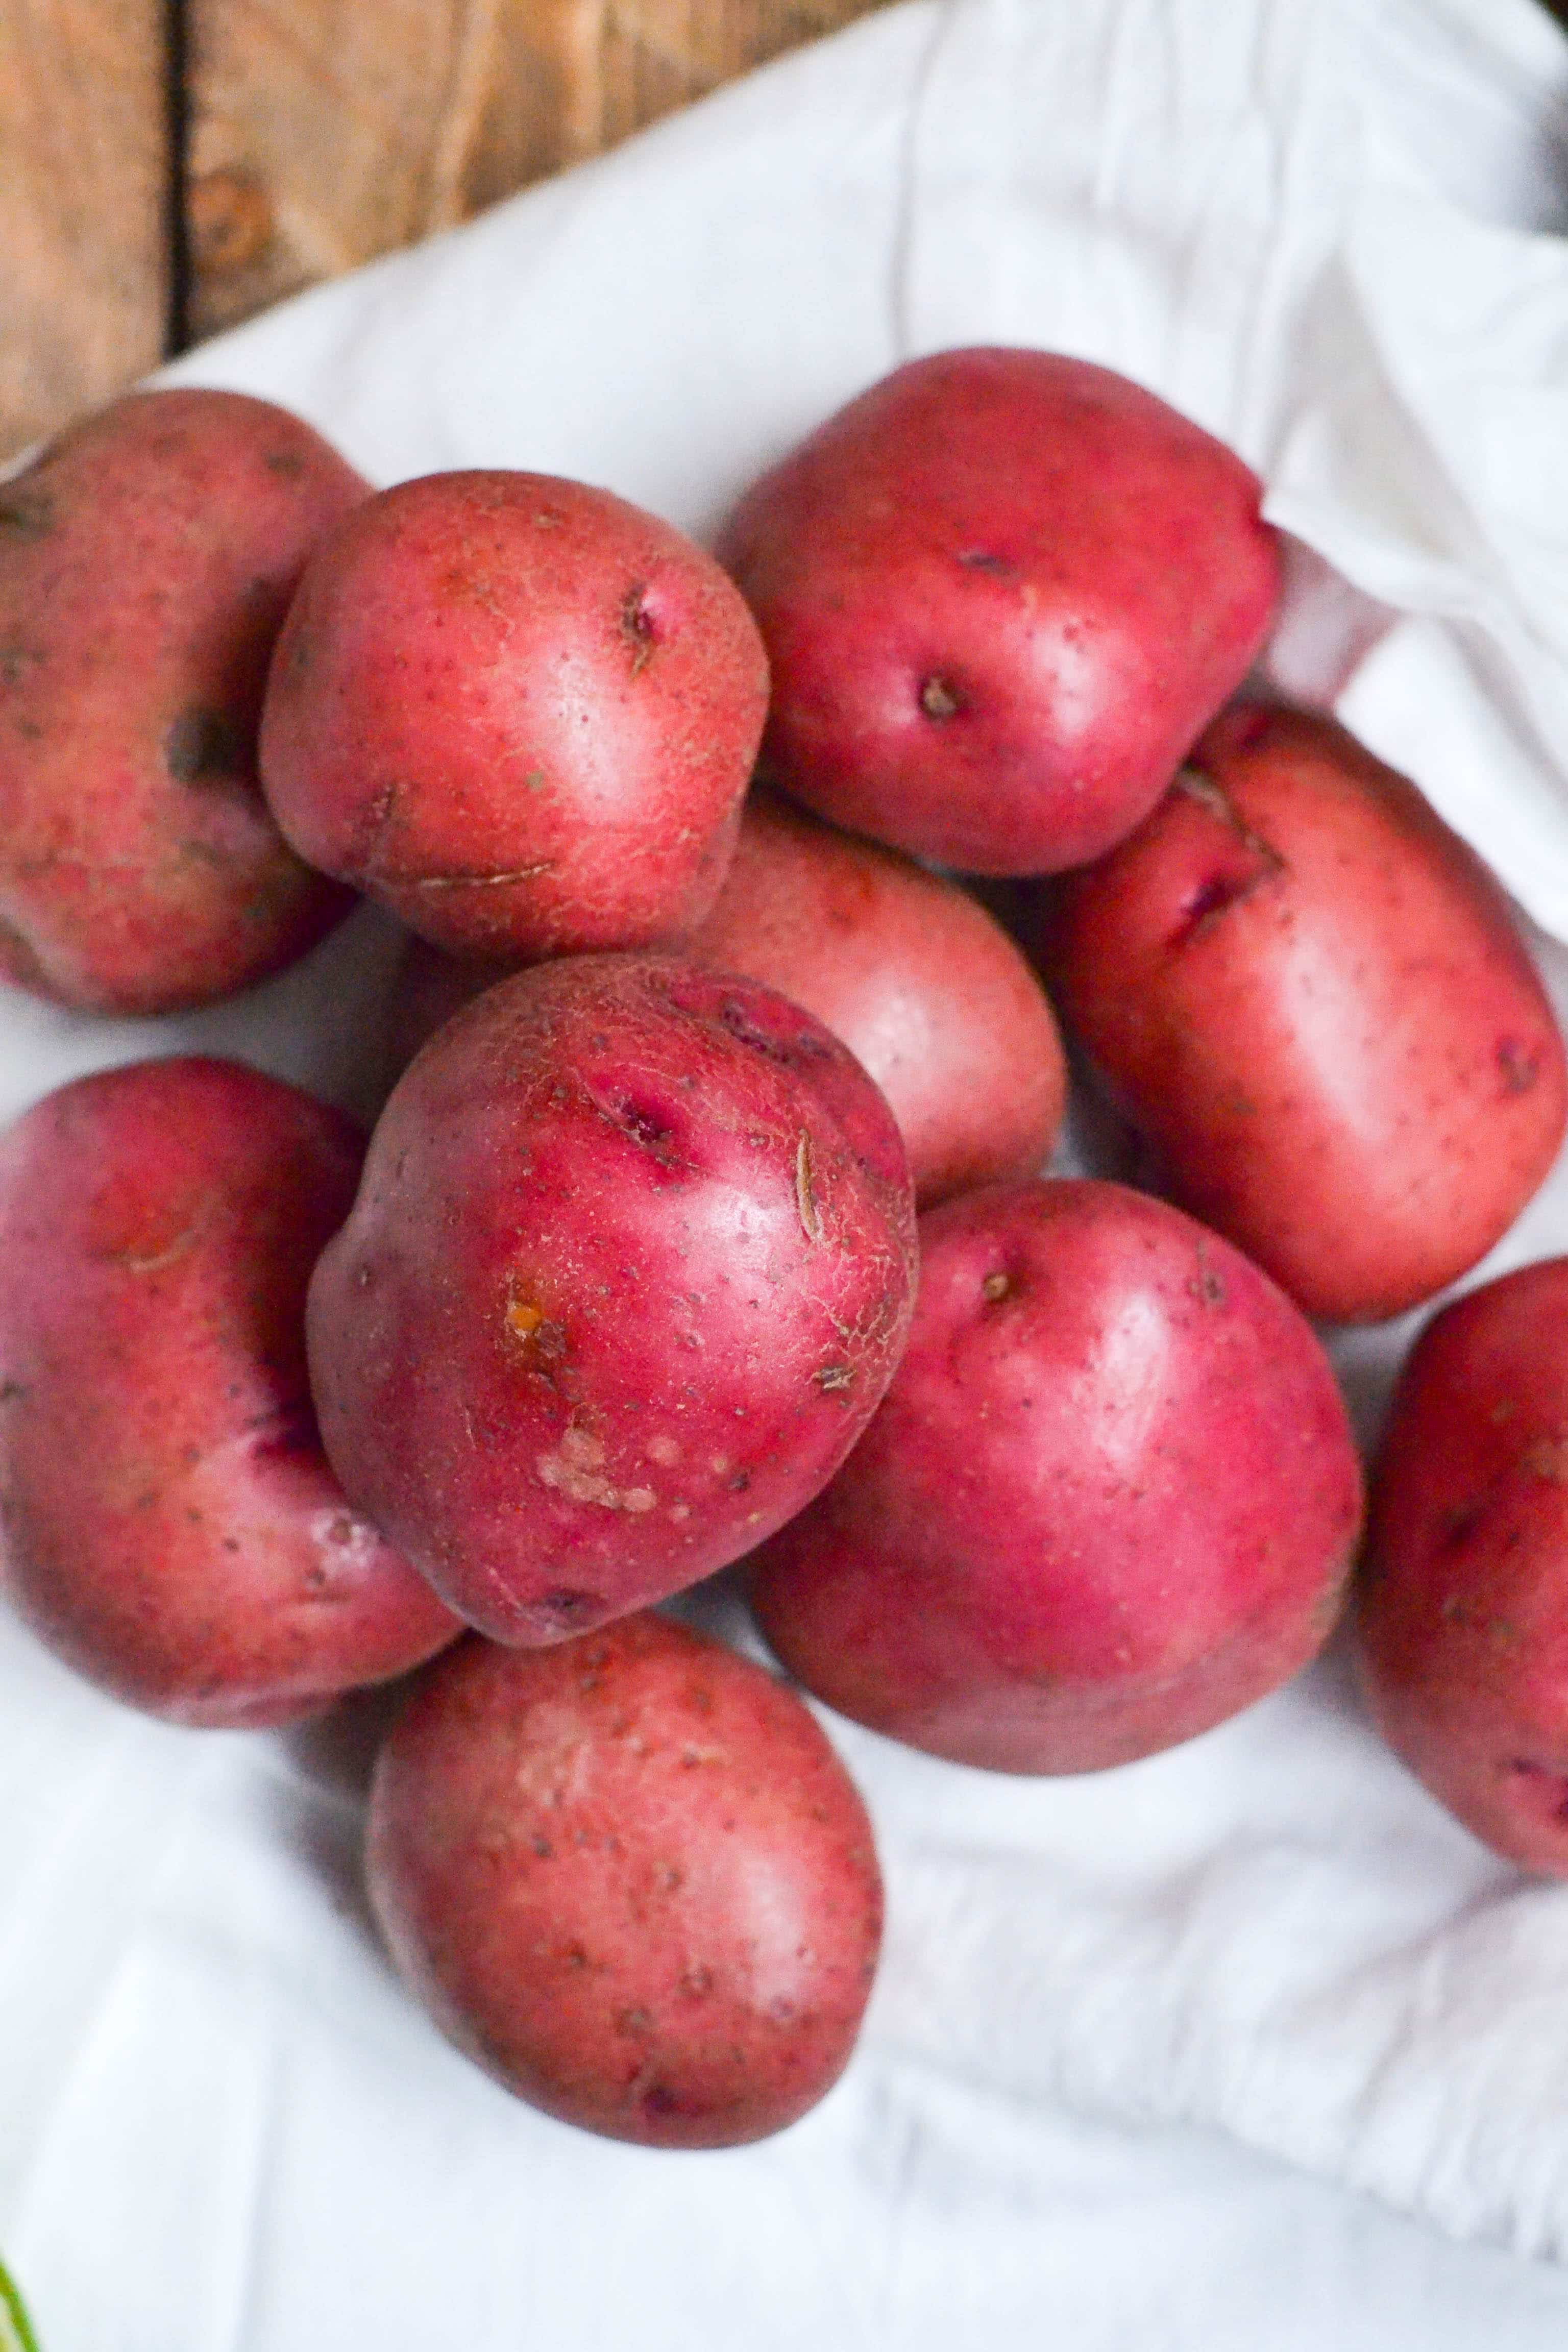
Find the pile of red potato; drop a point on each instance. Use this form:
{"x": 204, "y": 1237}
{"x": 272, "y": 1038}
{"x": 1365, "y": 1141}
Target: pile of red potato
{"x": 624, "y": 1288}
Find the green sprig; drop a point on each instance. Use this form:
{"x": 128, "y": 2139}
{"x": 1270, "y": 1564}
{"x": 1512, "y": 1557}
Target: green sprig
{"x": 15, "y": 2329}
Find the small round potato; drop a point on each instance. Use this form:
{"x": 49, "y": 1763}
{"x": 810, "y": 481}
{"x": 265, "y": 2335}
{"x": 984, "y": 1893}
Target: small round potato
{"x": 631, "y": 1878}
{"x": 1109, "y": 1499}
{"x": 1462, "y": 1616}
{"x": 1309, "y": 997}
{"x": 146, "y": 562}
{"x": 630, "y": 1267}
{"x": 1001, "y": 593}
{"x": 518, "y": 711}
{"x": 168, "y": 1524}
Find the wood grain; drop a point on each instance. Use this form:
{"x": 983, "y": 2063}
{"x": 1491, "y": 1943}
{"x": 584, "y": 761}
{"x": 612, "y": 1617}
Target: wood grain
{"x": 325, "y": 131}
{"x": 84, "y": 214}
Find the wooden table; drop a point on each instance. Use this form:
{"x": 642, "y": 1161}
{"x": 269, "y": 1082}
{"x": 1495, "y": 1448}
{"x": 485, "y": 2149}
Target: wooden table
{"x": 169, "y": 166}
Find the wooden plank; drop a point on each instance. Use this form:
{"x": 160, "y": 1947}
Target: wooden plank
{"x": 324, "y": 131}
{"x": 84, "y": 185}
{"x": 656, "y": 55}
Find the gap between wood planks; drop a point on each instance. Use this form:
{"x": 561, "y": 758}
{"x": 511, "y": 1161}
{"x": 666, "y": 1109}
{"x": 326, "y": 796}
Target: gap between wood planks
{"x": 177, "y": 123}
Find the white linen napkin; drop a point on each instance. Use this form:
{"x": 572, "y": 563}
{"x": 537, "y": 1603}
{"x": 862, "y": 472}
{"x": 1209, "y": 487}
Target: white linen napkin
{"x": 1140, "y": 2040}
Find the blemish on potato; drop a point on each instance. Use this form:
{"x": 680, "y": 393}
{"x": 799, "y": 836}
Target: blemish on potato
{"x": 834, "y": 1379}
{"x": 1206, "y": 1285}
{"x": 566, "y": 1608}
{"x": 581, "y": 1449}
{"x": 665, "y": 1451}
{"x": 1551, "y": 1785}
{"x": 538, "y": 1337}
{"x": 1520, "y": 1066}
{"x": 938, "y": 700}
{"x": 201, "y": 742}
{"x": 1548, "y": 1459}
{"x": 995, "y": 1287}
{"x": 26, "y": 513}
{"x": 16, "y": 659}
{"x": 636, "y": 626}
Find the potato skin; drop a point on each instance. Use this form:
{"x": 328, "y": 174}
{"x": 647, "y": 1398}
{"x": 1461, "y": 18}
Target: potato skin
{"x": 930, "y": 995}
{"x": 146, "y": 561}
{"x": 168, "y": 1524}
{"x": 1461, "y": 1618}
{"x": 1001, "y": 593}
{"x": 1109, "y": 1499}
{"x": 519, "y": 712}
{"x": 630, "y": 1267}
{"x": 1310, "y": 996}
{"x": 629, "y": 1877}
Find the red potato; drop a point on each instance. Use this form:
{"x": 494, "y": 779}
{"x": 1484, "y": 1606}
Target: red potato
{"x": 146, "y": 561}
{"x": 1461, "y": 1624}
{"x": 928, "y": 993}
{"x": 1111, "y": 1497}
{"x": 518, "y": 711}
{"x": 629, "y": 1270}
{"x": 1309, "y": 997}
{"x": 168, "y": 1524}
{"x": 629, "y": 1877}
{"x": 1002, "y": 592}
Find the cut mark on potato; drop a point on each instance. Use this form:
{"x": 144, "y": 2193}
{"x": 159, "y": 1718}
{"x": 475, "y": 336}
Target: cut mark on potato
{"x": 495, "y": 881}
{"x": 644, "y": 1121}
{"x": 1242, "y": 865}
{"x": 806, "y": 1193}
{"x": 1222, "y": 889}
{"x": 150, "y": 1253}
